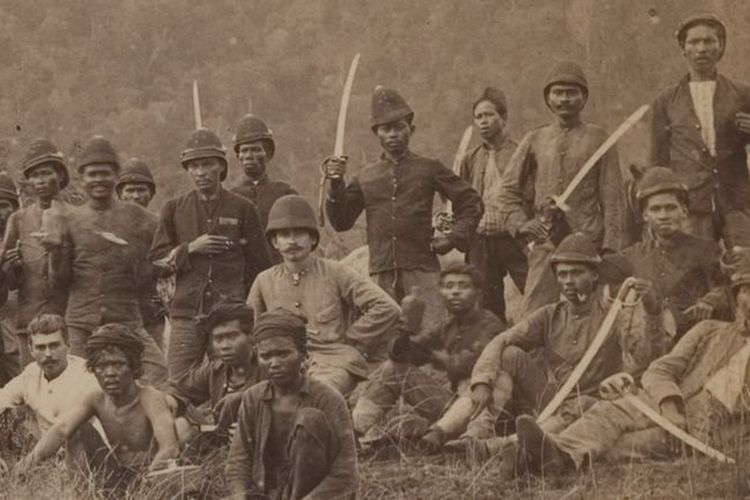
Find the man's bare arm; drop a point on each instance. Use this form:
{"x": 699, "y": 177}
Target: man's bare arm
{"x": 59, "y": 433}
{"x": 162, "y": 423}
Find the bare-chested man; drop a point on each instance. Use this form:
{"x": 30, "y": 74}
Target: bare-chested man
{"x": 136, "y": 420}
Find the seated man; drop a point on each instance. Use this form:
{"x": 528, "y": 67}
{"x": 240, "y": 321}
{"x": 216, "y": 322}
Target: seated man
{"x": 700, "y": 386}
{"x": 451, "y": 348}
{"x": 350, "y": 318}
{"x": 510, "y": 378}
{"x": 136, "y": 420}
{"x": 294, "y": 436}
{"x": 684, "y": 269}
{"x": 222, "y": 380}
{"x": 55, "y": 383}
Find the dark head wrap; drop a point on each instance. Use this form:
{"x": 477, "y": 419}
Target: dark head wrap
{"x": 281, "y": 323}
{"x": 496, "y": 97}
{"x": 226, "y": 311}
{"x": 119, "y": 336}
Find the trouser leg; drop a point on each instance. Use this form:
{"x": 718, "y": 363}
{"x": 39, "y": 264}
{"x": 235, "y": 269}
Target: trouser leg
{"x": 521, "y": 385}
{"x": 308, "y": 452}
{"x": 541, "y": 286}
{"x": 397, "y": 283}
{"x": 187, "y": 347}
{"x": 736, "y": 228}
{"x": 457, "y": 415}
{"x": 338, "y": 378}
{"x": 602, "y": 426}
{"x": 482, "y": 255}
{"x": 154, "y": 365}
{"x": 392, "y": 380}
{"x": 24, "y": 348}
{"x": 77, "y": 339}
{"x": 510, "y": 253}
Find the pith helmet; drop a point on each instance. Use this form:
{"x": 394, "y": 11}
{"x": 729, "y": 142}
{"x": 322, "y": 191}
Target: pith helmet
{"x": 702, "y": 17}
{"x": 8, "y": 189}
{"x": 566, "y": 72}
{"x": 252, "y": 128}
{"x": 388, "y": 106}
{"x": 576, "y": 248}
{"x": 44, "y": 151}
{"x": 204, "y": 143}
{"x": 660, "y": 180}
{"x": 97, "y": 150}
{"x": 136, "y": 171}
{"x": 289, "y": 212}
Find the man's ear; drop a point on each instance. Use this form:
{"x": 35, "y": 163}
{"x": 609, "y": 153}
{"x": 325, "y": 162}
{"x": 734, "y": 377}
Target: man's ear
{"x": 412, "y": 127}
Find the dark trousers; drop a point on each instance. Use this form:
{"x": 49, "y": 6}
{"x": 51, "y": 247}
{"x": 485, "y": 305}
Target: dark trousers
{"x": 187, "y": 347}
{"x": 497, "y": 256}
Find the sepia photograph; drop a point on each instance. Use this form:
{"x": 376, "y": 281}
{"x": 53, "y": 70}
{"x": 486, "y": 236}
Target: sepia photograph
{"x": 374, "y": 250}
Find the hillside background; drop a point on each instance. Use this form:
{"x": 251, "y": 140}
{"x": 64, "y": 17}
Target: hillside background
{"x": 125, "y": 69}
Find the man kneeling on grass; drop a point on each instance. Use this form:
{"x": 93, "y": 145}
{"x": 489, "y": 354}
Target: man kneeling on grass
{"x": 136, "y": 420}
{"x": 294, "y": 435}
{"x": 451, "y": 349}
{"x": 701, "y": 386}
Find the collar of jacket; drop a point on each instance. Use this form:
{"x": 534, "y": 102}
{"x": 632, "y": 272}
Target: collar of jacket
{"x": 498, "y": 147}
{"x": 268, "y": 394}
{"x": 403, "y": 158}
{"x": 263, "y": 179}
{"x": 219, "y": 195}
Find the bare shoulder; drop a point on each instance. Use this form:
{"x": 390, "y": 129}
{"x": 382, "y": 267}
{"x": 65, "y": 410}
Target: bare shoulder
{"x": 153, "y": 400}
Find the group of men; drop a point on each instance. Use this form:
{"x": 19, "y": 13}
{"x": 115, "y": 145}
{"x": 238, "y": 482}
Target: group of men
{"x": 291, "y": 361}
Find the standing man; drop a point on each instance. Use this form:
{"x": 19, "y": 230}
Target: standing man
{"x": 104, "y": 265}
{"x": 136, "y": 183}
{"x": 294, "y": 434}
{"x": 27, "y": 261}
{"x": 700, "y": 128}
{"x": 349, "y": 318}
{"x": 255, "y": 147}
{"x": 543, "y": 165}
{"x": 10, "y": 350}
{"x": 493, "y": 249}
{"x": 215, "y": 243}
{"x": 396, "y": 193}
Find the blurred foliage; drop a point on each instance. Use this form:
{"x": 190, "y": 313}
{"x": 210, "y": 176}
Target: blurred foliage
{"x": 124, "y": 69}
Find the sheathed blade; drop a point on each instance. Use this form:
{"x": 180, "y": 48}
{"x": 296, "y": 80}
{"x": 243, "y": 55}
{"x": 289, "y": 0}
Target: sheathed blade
{"x": 338, "y": 148}
{"x": 197, "y": 106}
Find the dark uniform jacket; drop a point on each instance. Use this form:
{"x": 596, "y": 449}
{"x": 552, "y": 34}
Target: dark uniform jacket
{"x": 202, "y": 280}
{"x": 397, "y": 200}
{"x": 676, "y": 142}
{"x": 463, "y": 339}
{"x": 682, "y": 275}
{"x": 246, "y": 463}
{"x": 104, "y": 264}
{"x": 263, "y": 194}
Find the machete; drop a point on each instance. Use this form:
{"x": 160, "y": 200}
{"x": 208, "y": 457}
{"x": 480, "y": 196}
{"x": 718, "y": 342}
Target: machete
{"x": 629, "y": 393}
{"x": 338, "y": 147}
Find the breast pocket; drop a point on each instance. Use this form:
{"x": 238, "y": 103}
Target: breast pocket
{"x": 328, "y": 321}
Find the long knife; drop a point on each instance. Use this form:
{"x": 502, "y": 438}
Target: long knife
{"x": 338, "y": 147}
